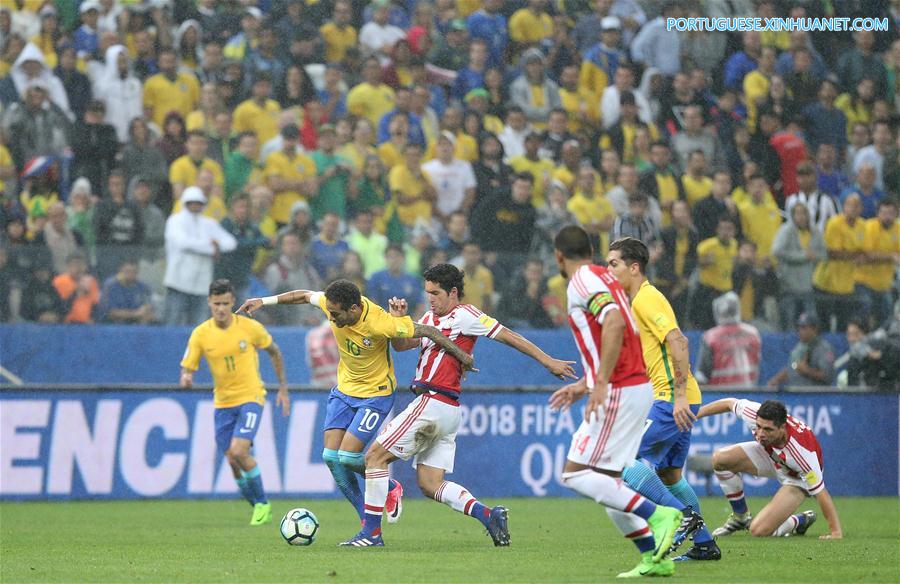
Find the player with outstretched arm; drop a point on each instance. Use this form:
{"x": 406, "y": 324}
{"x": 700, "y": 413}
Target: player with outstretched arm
{"x": 426, "y": 430}
{"x": 364, "y": 394}
{"x": 619, "y": 399}
{"x": 784, "y": 448}
{"x": 229, "y": 342}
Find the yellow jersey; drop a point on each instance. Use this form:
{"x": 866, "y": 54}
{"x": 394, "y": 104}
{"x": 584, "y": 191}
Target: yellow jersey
{"x": 880, "y": 276}
{"x": 184, "y": 171}
{"x": 337, "y": 40}
{"x": 583, "y": 107}
{"x": 594, "y": 209}
{"x": 526, "y": 26}
{"x": 299, "y": 167}
{"x": 370, "y": 101}
{"x": 718, "y": 274}
{"x": 365, "y": 368}
{"x": 162, "y": 96}
{"x": 695, "y": 190}
{"x": 760, "y": 223}
{"x": 232, "y": 359}
{"x": 249, "y": 116}
{"x": 541, "y": 170}
{"x": 838, "y": 276}
{"x": 401, "y": 180}
{"x": 656, "y": 319}
{"x": 466, "y": 148}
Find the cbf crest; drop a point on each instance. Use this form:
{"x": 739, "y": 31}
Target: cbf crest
{"x": 367, "y": 342}
{"x": 242, "y": 345}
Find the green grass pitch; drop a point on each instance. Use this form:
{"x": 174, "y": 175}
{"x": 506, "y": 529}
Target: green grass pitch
{"x": 553, "y": 540}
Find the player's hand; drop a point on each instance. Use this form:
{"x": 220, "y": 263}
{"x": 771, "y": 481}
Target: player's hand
{"x": 468, "y": 363}
{"x": 832, "y": 535}
{"x": 684, "y": 417}
{"x": 596, "y": 400}
{"x": 398, "y": 306}
{"x": 567, "y": 395}
{"x": 187, "y": 380}
{"x": 283, "y": 400}
{"x": 561, "y": 369}
{"x": 250, "y": 306}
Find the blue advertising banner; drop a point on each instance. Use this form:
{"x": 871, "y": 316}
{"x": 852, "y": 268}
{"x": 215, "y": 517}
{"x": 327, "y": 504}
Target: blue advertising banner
{"x": 140, "y": 444}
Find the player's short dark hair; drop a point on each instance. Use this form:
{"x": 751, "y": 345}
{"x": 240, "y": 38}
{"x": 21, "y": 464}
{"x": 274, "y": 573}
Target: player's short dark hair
{"x": 573, "y": 243}
{"x": 344, "y": 293}
{"x": 632, "y": 250}
{"x": 773, "y": 411}
{"x": 447, "y": 276}
{"x": 196, "y": 134}
{"x": 221, "y": 286}
{"x": 888, "y": 201}
{"x": 526, "y": 176}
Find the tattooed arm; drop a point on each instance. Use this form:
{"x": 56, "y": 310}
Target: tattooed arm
{"x": 678, "y": 345}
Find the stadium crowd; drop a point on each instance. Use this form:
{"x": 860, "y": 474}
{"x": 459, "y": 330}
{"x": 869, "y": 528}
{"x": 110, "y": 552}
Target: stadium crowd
{"x": 147, "y": 147}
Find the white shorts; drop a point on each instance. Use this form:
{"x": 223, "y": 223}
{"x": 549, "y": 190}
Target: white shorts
{"x": 765, "y": 466}
{"x": 612, "y": 441}
{"x": 426, "y": 429}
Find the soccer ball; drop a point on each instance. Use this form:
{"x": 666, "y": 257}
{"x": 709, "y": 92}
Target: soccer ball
{"x": 299, "y": 527}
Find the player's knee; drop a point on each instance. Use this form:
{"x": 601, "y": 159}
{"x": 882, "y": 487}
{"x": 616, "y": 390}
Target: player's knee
{"x": 377, "y": 457}
{"x": 759, "y": 529}
{"x": 720, "y": 460}
{"x": 428, "y": 485}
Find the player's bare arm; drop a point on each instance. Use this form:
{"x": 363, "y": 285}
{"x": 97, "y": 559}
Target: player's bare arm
{"x": 282, "y": 400}
{"x": 399, "y": 307}
{"x": 720, "y": 406}
{"x": 678, "y": 343}
{"x": 831, "y": 515}
{"x": 567, "y": 395}
{"x": 187, "y": 378}
{"x": 559, "y": 368}
{"x": 251, "y": 305}
{"x": 610, "y": 347}
{"x": 430, "y": 332}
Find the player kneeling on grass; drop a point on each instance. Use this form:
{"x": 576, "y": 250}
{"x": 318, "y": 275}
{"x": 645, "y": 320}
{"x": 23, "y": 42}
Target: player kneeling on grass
{"x": 619, "y": 398}
{"x": 426, "y": 429}
{"x": 229, "y": 342}
{"x": 785, "y": 448}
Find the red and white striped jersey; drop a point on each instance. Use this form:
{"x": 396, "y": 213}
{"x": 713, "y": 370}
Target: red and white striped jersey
{"x": 463, "y": 325}
{"x": 592, "y": 293}
{"x": 801, "y": 455}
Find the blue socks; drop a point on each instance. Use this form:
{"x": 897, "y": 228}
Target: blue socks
{"x": 645, "y": 481}
{"x": 685, "y": 493}
{"x": 254, "y": 485}
{"x": 245, "y": 488}
{"x": 481, "y": 513}
{"x": 345, "y": 478}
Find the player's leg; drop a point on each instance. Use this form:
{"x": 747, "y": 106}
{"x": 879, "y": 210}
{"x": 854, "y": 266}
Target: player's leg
{"x": 225, "y": 421}
{"x": 777, "y": 518}
{"x": 338, "y": 416}
{"x": 728, "y": 464}
{"x": 239, "y": 452}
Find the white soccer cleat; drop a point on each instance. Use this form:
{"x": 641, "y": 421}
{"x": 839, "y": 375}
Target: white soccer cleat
{"x": 733, "y": 524}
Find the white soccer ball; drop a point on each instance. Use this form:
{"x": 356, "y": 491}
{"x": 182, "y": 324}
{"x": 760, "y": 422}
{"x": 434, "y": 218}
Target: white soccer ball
{"x": 299, "y": 527}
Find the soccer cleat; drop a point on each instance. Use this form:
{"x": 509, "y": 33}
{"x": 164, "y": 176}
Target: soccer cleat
{"x": 649, "y": 568}
{"x": 810, "y": 519}
{"x": 498, "y": 526}
{"x": 363, "y": 539}
{"x": 701, "y": 551}
{"x": 691, "y": 522}
{"x": 393, "y": 506}
{"x": 734, "y": 523}
{"x": 262, "y": 514}
{"x": 664, "y": 523}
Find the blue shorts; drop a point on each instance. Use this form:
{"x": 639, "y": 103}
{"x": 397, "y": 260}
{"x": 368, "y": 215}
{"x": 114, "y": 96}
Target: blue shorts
{"x": 663, "y": 444}
{"x": 238, "y": 422}
{"x": 361, "y": 416}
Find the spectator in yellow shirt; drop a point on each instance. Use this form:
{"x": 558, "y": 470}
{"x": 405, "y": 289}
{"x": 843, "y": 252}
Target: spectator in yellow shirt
{"x": 757, "y": 82}
{"x": 591, "y": 209}
{"x": 541, "y": 169}
{"x": 291, "y": 176}
{"x": 184, "y": 170}
{"x": 875, "y": 277}
{"x": 696, "y": 184}
{"x": 834, "y": 278}
{"x": 259, "y": 114}
{"x": 760, "y": 219}
{"x": 412, "y": 188}
{"x": 371, "y": 99}
{"x": 531, "y": 25}
{"x": 338, "y": 33}
{"x": 479, "y": 279}
{"x": 582, "y": 104}
{"x": 716, "y": 257}
{"x": 170, "y": 90}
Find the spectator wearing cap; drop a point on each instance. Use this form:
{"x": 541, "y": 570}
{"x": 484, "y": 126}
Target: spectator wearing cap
{"x": 339, "y": 34}
{"x": 378, "y": 36}
{"x": 86, "y": 38}
{"x": 472, "y": 75}
{"x": 336, "y": 176}
{"x": 78, "y": 289}
{"x": 453, "y": 179}
{"x": 371, "y": 99}
{"x": 184, "y": 171}
{"x": 600, "y": 62}
{"x": 811, "y": 361}
{"x": 125, "y": 299}
{"x": 450, "y": 51}
{"x": 170, "y": 90}
{"x": 581, "y": 104}
{"x": 246, "y": 40}
{"x": 541, "y": 169}
{"x": 292, "y": 176}
{"x": 531, "y": 25}
{"x": 533, "y": 91}
{"x": 193, "y": 242}
{"x": 477, "y": 102}
{"x": 730, "y": 352}
{"x": 94, "y": 144}
{"x": 489, "y": 24}
{"x": 402, "y": 104}
{"x": 258, "y": 114}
